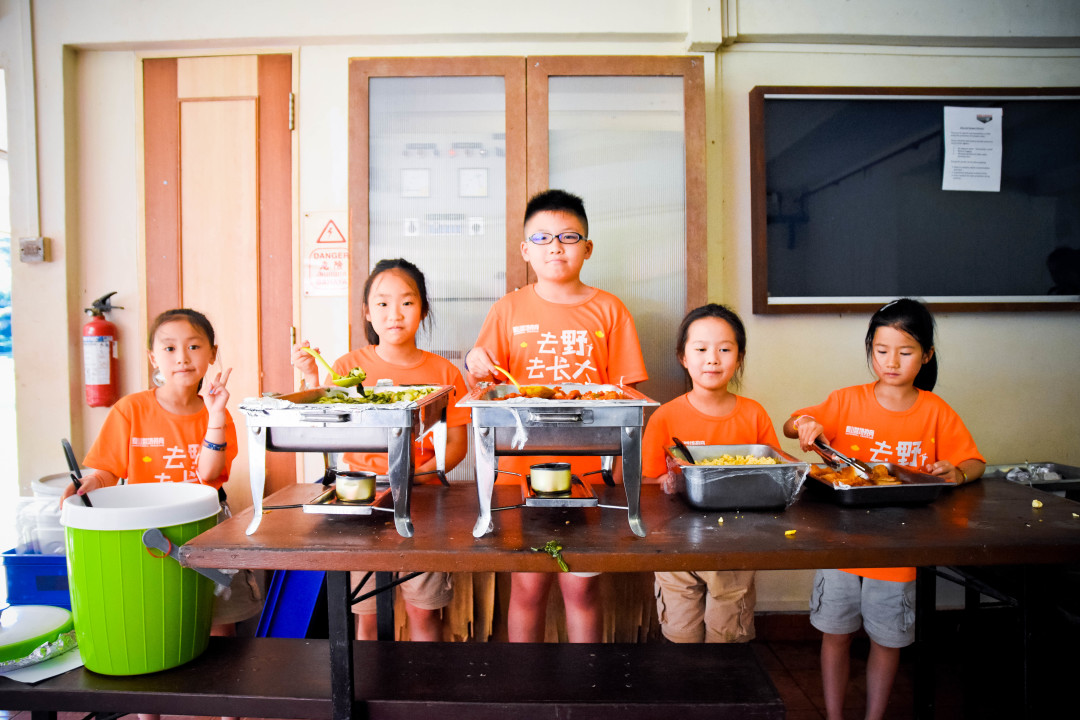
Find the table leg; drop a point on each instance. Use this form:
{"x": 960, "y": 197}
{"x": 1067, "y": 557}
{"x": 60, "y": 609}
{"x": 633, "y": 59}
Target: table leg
{"x": 400, "y": 460}
{"x": 631, "y": 472}
{"x": 438, "y": 440}
{"x": 384, "y": 606}
{"x": 1026, "y": 601}
{"x": 925, "y": 610}
{"x": 257, "y": 474}
{"x": 342, "y": 632}
{"x": 484, "y": 447}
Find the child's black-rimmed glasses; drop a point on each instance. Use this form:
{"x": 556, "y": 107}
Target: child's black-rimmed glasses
{"x": 566, "y": 238}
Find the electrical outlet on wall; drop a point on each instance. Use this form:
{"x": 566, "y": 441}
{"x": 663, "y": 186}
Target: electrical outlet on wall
{"x": 33, "y": 250}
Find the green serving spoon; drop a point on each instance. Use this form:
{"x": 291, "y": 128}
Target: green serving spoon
{"x": 355, "y": 377}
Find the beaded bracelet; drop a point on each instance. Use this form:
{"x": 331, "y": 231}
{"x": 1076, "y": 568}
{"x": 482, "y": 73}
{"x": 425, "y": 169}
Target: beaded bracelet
{"x": 213, "y": 445}
{"x": 795, "y": 422}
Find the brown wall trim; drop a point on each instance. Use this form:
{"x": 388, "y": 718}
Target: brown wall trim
{"x": 162, "y": 185}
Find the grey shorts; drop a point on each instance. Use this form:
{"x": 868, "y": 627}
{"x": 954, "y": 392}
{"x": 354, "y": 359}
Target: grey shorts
{"x": 841, "y": 602}
{"x": 427, "y": 591}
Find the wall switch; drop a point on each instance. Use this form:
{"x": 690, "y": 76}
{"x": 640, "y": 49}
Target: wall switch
{"x": 33, "y": 250}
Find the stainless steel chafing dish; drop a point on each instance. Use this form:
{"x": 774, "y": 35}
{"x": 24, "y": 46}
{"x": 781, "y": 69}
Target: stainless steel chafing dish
{"x": 297, "y": 423}
{"x": 743, "y": 487}
{"x": 534, "y": 426}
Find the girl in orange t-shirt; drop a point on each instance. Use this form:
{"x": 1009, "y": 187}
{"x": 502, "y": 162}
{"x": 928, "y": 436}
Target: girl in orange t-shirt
{"x": 706, "y": 605}
{"x": 896, "y": 420}
{"x": 179, "y": 431}
{"x": 395, "y": 305}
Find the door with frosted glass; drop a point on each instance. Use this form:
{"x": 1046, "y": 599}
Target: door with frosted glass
{"x": 627, "y": 135}
{"x": 444, "y": 153}
{"x": 436, "y": 176}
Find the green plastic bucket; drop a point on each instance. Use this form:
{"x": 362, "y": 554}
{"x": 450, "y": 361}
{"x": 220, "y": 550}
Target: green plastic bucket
{"x": 136, "y": 610}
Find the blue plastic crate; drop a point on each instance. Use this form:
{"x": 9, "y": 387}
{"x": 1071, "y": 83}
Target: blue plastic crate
{"x": 36, "y": 579}
{"x": 290, "y": 602}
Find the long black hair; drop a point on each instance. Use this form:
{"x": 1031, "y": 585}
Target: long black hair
{"x": 721, "y": 312}
{"x": 413, "y": 273}
{"x": 911, "y": 317}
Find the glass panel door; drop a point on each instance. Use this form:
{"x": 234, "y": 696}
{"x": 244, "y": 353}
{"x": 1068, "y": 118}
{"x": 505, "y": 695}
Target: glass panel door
{"x": 437, "y": 176}
{"x": 619, "y": 143}
{"x": 437, "y": 195}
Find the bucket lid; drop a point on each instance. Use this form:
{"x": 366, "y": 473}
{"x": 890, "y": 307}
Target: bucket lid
{"x": 50, "y": 485}
{"x": 24, "y": 628}
{"x": 141, "y": 506}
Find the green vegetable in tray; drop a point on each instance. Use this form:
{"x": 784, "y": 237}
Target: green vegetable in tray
{"x": 554, "y": 549}
{"x": 384, "y": 397}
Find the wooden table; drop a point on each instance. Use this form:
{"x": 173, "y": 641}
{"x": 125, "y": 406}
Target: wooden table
{"x": 984, "y": 523}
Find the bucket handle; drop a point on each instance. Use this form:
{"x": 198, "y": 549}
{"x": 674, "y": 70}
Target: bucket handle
{"x": 155, "y": 540}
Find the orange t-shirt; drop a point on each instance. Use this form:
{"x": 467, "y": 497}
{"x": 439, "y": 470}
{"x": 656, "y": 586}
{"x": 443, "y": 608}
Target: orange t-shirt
{"x": 857, "y": 425}
{"x": 431, "y": 370}
{"x": 747, "y": 424}
{"x": 144, "y": 442}
{"x": 546, "y": 343}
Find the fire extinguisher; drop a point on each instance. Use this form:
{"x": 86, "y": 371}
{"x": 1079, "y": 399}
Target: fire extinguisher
{"x": 101, "y": 355}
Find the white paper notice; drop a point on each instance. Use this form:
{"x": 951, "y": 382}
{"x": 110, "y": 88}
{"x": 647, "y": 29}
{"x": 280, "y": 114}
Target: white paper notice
{"x": 972, "y": 149}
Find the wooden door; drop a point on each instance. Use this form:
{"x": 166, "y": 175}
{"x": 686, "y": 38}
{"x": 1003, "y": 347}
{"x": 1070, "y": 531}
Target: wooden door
{"x": 219, "y": 225}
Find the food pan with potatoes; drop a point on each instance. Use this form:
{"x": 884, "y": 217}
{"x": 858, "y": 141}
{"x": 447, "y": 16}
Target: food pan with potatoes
{"x": 888, "y": 484}
{"x": 737, "y": 477}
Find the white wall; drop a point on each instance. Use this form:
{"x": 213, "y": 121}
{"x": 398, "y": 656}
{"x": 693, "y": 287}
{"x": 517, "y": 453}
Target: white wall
{"x": 1009, "y": 375}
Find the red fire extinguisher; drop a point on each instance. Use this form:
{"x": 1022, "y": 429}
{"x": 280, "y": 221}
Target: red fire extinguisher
{"x": 101, "y": 355}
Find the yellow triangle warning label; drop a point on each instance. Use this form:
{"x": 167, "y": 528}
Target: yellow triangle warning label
{"x": 330, "y": 234}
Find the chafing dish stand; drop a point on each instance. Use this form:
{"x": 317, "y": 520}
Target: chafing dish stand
{"x": 295, "y": 423}
{"x": 534, "y": 426}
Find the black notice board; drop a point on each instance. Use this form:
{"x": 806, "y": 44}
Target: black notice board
{"x": 849, "y": 212}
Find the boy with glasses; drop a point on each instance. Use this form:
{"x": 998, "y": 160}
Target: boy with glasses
{"x": 557, "y": 330}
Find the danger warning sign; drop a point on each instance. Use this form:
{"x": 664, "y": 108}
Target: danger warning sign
{"x": 326, "y": 255}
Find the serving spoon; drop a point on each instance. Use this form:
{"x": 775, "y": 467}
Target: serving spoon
{"x": 73, "y": 466}
{"x": 530, "y": 391}
{"x": 684, "y": 450}
{"x": 355, "y": 377}
{"x": 509, "y": 376}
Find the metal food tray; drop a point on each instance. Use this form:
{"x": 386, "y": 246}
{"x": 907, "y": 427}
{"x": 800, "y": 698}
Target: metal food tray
{"x": 1069, "y": 475}
{"x": 737, "y": 487}
{"x": 580, "y": 495}
{"x": 535, "y": 426}
{"x": 556, "y": 427}
{"x": 328, "y": 504}
{"x": 296, "y": 422}
{"x": 915, "y": 488}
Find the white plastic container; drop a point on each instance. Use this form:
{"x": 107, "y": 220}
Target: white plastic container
{"x": 38, "y": 517}
{"x": 50, "y": 485}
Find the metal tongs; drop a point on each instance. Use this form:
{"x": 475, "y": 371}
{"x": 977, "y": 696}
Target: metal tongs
{"x": 834, "y": 459}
